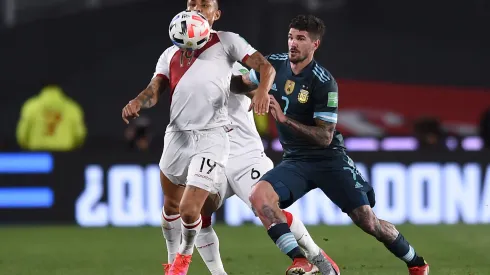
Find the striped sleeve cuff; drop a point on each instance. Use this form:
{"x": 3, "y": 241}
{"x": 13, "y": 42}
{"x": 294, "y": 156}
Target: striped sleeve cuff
{"x": 253, "y": 77}
{"x": 326, "y": 116}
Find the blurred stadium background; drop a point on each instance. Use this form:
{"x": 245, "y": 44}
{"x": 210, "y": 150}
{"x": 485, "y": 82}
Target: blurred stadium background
{"x": 415, "y": 109}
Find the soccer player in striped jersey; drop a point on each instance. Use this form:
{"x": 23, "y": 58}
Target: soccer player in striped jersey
{"x": 304, "y": 102}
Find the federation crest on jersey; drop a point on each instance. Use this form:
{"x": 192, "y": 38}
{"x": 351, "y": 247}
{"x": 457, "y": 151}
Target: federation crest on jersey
{"x": 303, "y": 96}
{"x": 289, "y": 87}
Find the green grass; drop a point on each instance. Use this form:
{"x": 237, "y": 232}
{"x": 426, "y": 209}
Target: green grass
{"x": 458, "y": 250}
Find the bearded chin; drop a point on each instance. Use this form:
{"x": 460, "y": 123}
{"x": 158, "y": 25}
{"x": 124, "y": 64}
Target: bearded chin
{"x": 297, "y": 59}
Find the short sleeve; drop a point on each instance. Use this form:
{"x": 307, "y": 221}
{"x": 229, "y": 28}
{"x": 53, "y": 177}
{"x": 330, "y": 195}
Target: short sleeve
{"x": 163, "y": 65}
{"x": 326, "y": 100}
{"x": 236, "y": 46}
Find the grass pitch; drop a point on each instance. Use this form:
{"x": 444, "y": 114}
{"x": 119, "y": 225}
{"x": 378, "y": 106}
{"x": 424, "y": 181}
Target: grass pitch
{"x": 69, "y": 250}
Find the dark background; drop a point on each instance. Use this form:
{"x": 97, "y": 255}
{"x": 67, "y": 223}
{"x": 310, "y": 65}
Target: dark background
{"x": 104, "y": 57}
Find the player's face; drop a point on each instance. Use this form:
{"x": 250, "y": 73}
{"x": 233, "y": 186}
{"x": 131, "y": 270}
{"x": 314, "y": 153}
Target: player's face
{"x": 300, "y": 45}
{"x": 209, "y": 8}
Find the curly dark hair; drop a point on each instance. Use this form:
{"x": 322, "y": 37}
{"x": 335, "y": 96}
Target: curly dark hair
{"x": 310, "y": 23}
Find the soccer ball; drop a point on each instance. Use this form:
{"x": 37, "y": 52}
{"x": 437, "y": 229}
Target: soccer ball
{"x": 189, "y": 30}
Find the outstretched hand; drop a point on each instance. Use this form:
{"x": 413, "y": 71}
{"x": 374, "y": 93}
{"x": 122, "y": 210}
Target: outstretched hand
{"x": 131, "y": 110}
{"x": 260, "y": 103}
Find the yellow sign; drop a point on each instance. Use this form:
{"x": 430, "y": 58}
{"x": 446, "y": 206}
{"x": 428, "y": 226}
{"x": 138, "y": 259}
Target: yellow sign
{"x": 303, "y": 96}
{"x": 289, "y": 87}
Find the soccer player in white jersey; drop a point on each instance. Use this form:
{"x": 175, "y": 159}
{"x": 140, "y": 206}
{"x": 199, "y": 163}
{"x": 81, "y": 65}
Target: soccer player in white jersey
{"x": 246, "y": 164}
{"x": 196, "y": 144}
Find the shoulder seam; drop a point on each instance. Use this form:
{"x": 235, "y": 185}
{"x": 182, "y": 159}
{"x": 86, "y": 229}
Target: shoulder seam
{"x": 278, "y": 56}
{"x": 320, "y": 73}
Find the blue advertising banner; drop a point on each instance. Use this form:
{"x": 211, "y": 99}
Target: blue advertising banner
{"x": 123, "y": 189}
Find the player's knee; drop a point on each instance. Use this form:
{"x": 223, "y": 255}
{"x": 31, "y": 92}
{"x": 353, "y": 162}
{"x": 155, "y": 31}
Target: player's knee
{"x": 189, "y": 212}
{"x": 263, "y": 194}
{"x": 170, "y": 205}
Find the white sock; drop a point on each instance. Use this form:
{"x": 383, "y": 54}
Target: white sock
{"x": 171, "y": 229}
{"x": 303, "y": 237}
{"x": 207, "y": 243}
{"x": 189, "y": 235}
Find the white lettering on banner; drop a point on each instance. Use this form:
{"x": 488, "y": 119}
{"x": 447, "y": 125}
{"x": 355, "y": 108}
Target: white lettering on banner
{"x": 389, "y": 183}
{"x": 485, "y": 201}
{"x": 460, "y": 202}
{"x": 316, "y": 208}
{"x": 89, "y": 211}
{"x": 421, "y": 193}
{"x": 134, "y": 197}
{"x": 236, "y": 212}
{"x": 425, "y": 190}
{"x": 126, "y": 195}
{"x": 415, "y": 193}
{"x": 154, "y": 199}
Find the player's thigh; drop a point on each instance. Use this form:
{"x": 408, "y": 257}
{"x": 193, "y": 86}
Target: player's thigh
{"x": 210, "y": 157}
{"x": 178, "y": 150}
{"x": 172, "y": 194}
{"x": 343, "y": 184}
{"x": 290, "y": 180}
{"x": 244, "y": 173}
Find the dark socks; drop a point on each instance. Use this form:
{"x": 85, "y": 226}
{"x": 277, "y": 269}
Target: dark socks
{"x": 403, "y": 250}
{"x": 284, "y": 239}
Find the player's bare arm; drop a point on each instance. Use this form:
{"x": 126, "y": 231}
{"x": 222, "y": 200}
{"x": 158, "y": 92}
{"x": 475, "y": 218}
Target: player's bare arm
{"x": 149, "y": 96}
{"x": 261, "y": 99}
{"x": 321, "y": 134}
{"x": 146, "y": 99}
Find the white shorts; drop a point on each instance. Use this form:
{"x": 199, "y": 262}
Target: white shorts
{"x": 196, "y": 158}
{"x": 242, "y": 173}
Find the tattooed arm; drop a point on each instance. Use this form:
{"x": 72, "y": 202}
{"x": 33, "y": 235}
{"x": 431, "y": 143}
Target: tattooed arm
{"x": 149, "y": 96}
{"x": 260, "y": 101}
{"x": 267, "y": 72}
{"x": 321, "y": 134}
{"x": 146, "y": 99}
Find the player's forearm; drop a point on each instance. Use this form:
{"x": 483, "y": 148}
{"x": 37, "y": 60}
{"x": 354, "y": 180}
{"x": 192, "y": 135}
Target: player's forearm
{"x": 267, "y": 76}
{"x": 149, "y": 96}
{"x": 267, "y": 72}
{"x": 319, "y": 135}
